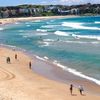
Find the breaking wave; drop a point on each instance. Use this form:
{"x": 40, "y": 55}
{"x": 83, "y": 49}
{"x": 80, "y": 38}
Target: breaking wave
{"x": 60, "y": 33}
{"x": 28, "y": 25}
{"x": 49, "y": 26}
{"x": 86, "y": 36}
{"x": 48, "y": 40}
{"x": 79, "y": 26}
{"x": 41, "y": 30}
{"x": 75, "y": 72}
{"x": 1, "y": 29}
{"x": 40, "y": 58}
{"x": 97, "y": 22}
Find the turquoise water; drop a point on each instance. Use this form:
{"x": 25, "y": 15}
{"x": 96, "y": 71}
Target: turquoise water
{"x": 72, "y": 42}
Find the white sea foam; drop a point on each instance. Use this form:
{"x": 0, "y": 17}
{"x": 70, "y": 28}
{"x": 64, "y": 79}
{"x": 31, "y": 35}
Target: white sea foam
{"x": 8, "y": 45}
{"x": 60, "y": 33}
{"x": 55, "y": 61}
{"x": 40, "y": 58}
{"x": 45, "y": 57}
{"x": 49, "y": 26}
{"x": 75, "y": 72}
{"x": 41, "y": 30}
{"x": 79, "y": 42}
{"x": 48, "y": 40}
{"x": 79, "y": 26}
{"x": 97, "y": 22}
{"x": 41, "y": 34}
{"x": 1, "y": 29}
{"x": 21, "y": 30}
{"x": 28, "y": 25}
{"x": 86, "y": 36}
{"x": 17, "y": 23}
{"x": 43, "y": 44}
{"x": 46, "y": 44}
{"x": 95, "y": 42}
{"x": 26, "y": 35}
{"x": 82, "y": 42}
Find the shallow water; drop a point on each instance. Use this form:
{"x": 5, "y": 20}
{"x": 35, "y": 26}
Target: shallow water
{"x": 72, "y": 42}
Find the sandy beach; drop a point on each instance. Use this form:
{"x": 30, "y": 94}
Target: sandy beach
{"x": 13, "y": 20}
{"x": 18, "y": 82}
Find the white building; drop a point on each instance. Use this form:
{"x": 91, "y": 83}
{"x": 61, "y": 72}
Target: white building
{"x": 74, "y": 11}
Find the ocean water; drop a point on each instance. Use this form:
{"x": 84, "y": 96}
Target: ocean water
{"x": 71, "y": 43}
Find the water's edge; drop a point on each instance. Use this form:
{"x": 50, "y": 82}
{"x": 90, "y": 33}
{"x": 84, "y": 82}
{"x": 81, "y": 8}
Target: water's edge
{"x": 57, "y": 72}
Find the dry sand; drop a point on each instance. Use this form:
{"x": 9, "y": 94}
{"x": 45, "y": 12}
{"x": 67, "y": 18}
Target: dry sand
{"x": 18, "y": 82}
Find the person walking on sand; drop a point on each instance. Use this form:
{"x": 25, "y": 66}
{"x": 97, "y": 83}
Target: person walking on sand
{"x": 16, "y": 56}
{"x": 71, "y": 88}
{"x": 30, "y": 64}
{"x": 8, "y": 60}
{"x": 81, "y": 90}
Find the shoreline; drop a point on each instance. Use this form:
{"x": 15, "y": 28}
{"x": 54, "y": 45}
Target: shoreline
{"x": 13, "y": 20}
{"x": 4, "y": 21}
{"x": 53, "y": 72}
{"x": 24, "y": 84}
{"x": 57, "y": 73}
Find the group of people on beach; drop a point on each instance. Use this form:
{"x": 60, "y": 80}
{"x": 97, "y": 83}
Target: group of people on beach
{"x": 8, "y": 60}
{"x": 80, "y": 88}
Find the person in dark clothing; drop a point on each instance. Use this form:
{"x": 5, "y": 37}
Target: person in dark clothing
{"x": 30, "y": 64}
{"x": 71, "y": 88}
{"x": 8, "y": 60}
{"x": 15, "y": 56}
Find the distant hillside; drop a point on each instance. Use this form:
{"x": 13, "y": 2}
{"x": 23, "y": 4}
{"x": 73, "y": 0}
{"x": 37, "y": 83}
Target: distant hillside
{"x": 49, "y": 10}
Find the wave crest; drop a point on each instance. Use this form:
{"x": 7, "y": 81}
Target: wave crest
{"x": 75, "y": 72}
{"x": 41, "y": 30}
{"x": 78, "y": 26}
{"x": 86, "y": 36}
{"x": 97, "y": 22}
{"x": 1, "y": 29}
{"x": 60, "y": 33}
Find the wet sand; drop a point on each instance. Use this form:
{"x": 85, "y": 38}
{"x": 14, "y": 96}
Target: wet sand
{"x": 53, "y": 72}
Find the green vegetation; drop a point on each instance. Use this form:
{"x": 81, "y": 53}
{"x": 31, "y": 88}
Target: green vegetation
{"x": 49, "y": 10}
